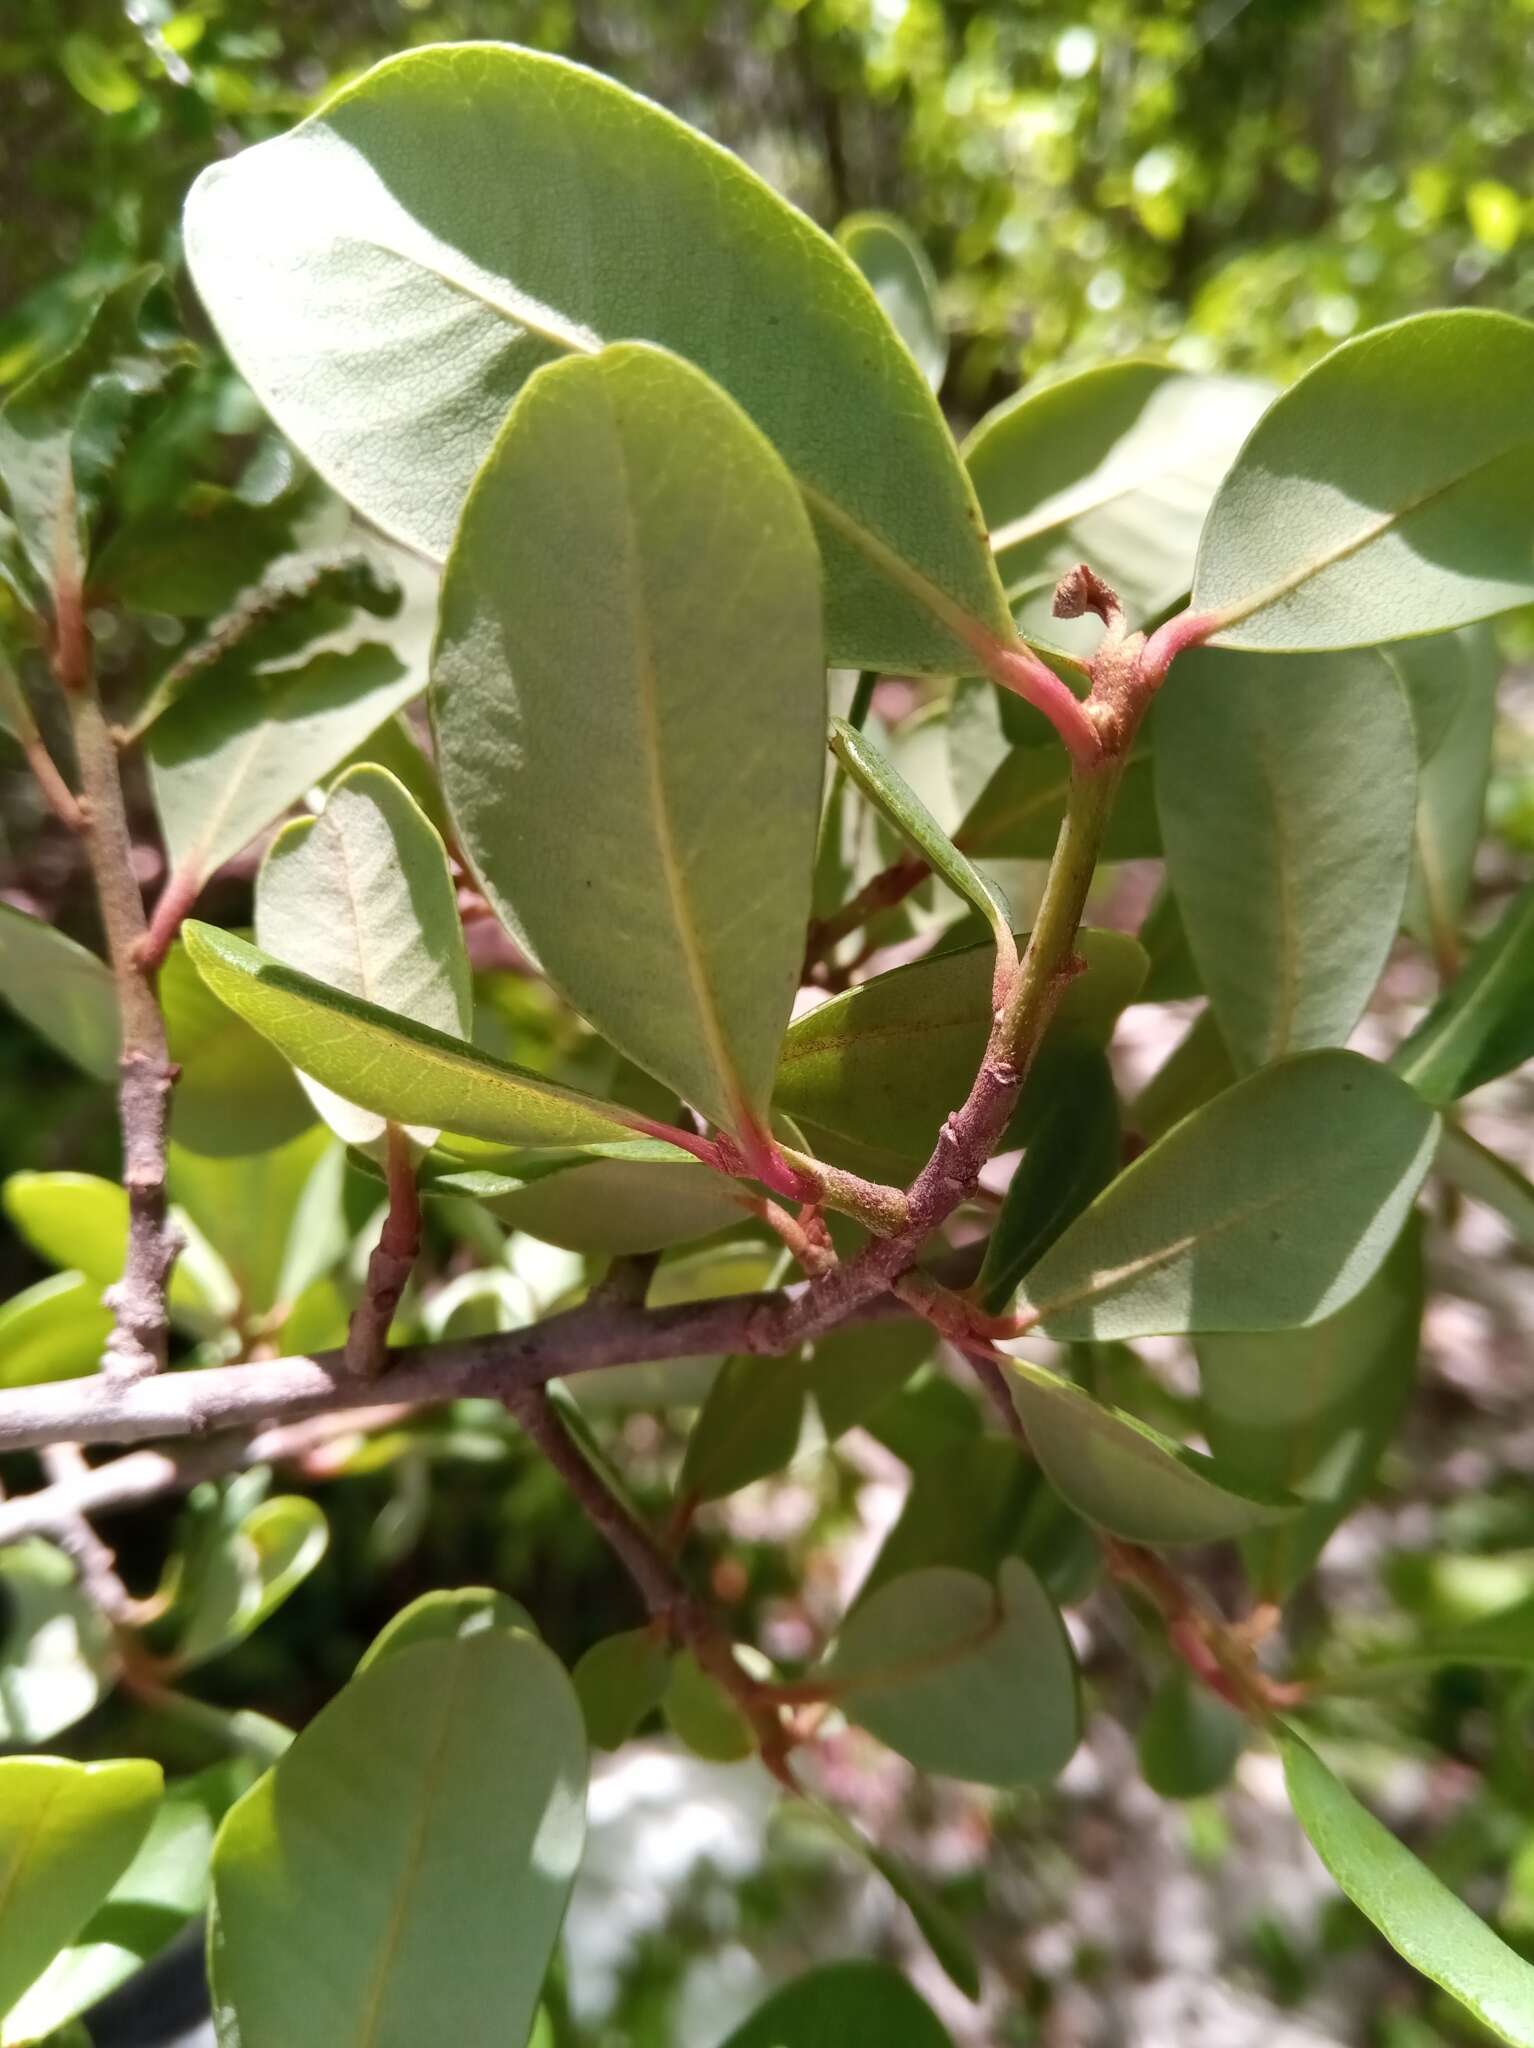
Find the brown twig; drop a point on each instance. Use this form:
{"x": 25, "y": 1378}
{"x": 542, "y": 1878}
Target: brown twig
{"x": 391, "y": 1264}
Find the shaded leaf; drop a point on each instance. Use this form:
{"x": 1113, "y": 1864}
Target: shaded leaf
{"x": 897, "y": 267}
{"x": 235, "y": 1095}
{"x": 268, "y": 1215}
{"x": 850, "y": 1374}
{"x": 1238, "y": 1219}
{"x": 1195, "y": 1071}
{"x": 842, "y": 2002}
{"x": 619, "y": 1682}
{"x": 702, "y": 1714}
{"x": 401, "y": 1874}
{"x": 966, "y": 1510}
{"x": 1481, "y": 1173}
{"x": 631, "y": 636}
{"x": 65, "y": 993}
{"x": 1073, "y": 1153}
{"x": 450, "y": 1615}
{"x": 251, "y": 1573}
{"x": 1018, "y": 813}
{"x": 1189, "y": 1739}
{"x": 505, "y": 240}
{"x": 1287, "y": 794}
{"x": 748, "y": 1427}
{"x": 55, "y": 1330}
{"x": 640, "y": 1197}
{"x": 1482, "y": 1026}
{"x": 1451, "y": 799}
{"x": 56, "y": 1652}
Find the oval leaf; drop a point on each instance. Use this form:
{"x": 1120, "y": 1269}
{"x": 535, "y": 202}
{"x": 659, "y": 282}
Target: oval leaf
{"x": 477, "y": 211}
{"x": 1482, "y": 1026}
{"x": 56, "y": 1652}
{"x": 1390, "y": 492}
{"x": 619, "y": 1682}
{"x": 56, "y": 1330}
{"x": 1287, "y": 794}
{"x": 236, "y": 1096}
{"x": 65, "y": 993}
{"x": 962, "y": 1678}
{"x": 67, "y": 1833}
{"x": 1242, "y": 1218}
{"x": 1417, "y": 1914}
{"x": 360, "y": 898}
{"x": 1189, "y": 1739}
{"x": 629, "y": 701}
{"x": 643, "y": 1197}
{"x": 897, "y": 267}
{"x": 447, "y": 1616}
{"x": 402, "y": 1872}
{"x": 839, "y": 2003}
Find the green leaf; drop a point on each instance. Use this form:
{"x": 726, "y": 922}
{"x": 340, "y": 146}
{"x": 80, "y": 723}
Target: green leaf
{"x": 905, "y": 284}
{"x": 251, "y": 1573}
{"x": 1482, "y": 1026}
{"x": 701, "y": 1714}
{"x": 254, "y": 1213}
{"x": 1238, "y": 1218}
{"x": 1129, "y": 1478}
{"x": 393, "y": 1066}
{"x": 1311, "y": 1410}
{"x": 1451, "y": 800}
{"x": 1480, "y": 1173}
{"x": 1173, "y": 974}
{"x": 641, "y": 1197}
{"x": 449, "y": 1615}
{"x": 966, "y": 1510}
{"x": 472, "y": 214}
{"x": 1287, "y": 794}
{"x": 1115, "y": 466}
{"x": 56, "y": 1651}
{"x": 962, "y": 1678}
{"x": 1073, "y": 1152}
{"x": 1387, "y": 494}
{"x": 1189, "y": 1739}
{"x": 1195, "y": 1071}
{"x": 850, "y": 1374}
{"x": 620, "y": 1681}
{"x": 1438, "y": 673}
{"x": 225, "y": 763}
{"x": 890, "y": 794}
{"x": 1018, "y": 813}
{"x": 631, "y": 637}
{"x": 67, "y": 1833}
{"x": 162, "y": 1888}
{"x": 65, "y": 993}
{"x": 56, "y": 1330}
{"x": 361, "y": 899}
{"x": 192, "y": 561}
{"x": 840, "y": 2003}
{"x": 748, "y": 1427}
{"x": 402, "y": 1872}
{"x": 98, "y": 74}
{"x": 870, "y": 1075}
{"x": 1419, "y": 1916}
{"x": 235, "y": 1095}
{"x": 77, "y": 1220}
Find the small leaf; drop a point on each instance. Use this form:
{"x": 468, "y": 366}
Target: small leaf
{"x": 748, "y": 1427}
{"x": 870, "y": 1075}
{"x": 98, "y": 74}
{"x": 1311, "y": 1410}
{"x": 1417, "y": 1914}
{"x": 56, "y": 1651}
{"x": 1451, "y": 800}
{"x": 447, "y": 1616}
{"x": 1115, "y": 466}
{"x": 640, "y": 1197}
{"x": 841, "y": 2003}
{"x": 1482, "y": 1174}
{"x": 65, "y": 993}
{"x": 620, "y": 1681}
{"x": 898, "y": 802}
{"x": 402, "y": 1872}
{"x": 897, "y": 267}
{"x": 702, "y": 1714}
{"x": 361, "y": 899}
{"x": 631, "y": 635}
{"x": 850, "y": 1374}
{"x": 1189, "y": 1739}
{"x": 486, "y": 195}
{"x": 251, "y": 1573}
{"x": 67, "y": 1833}
{"x": 962, "y": 1678}
{"x": 1173, "y": 974}
{"x": 966, "y": 1510}
{"x": 267, "y": 1214}
{"x": 56, "y": 1330}
{"x": 1238, "y": 1219}
{"x": 1482, "y": 1026}
{"x": 1388, "y": 493}
{"x": 1129, "y": 1478}
{"x": 390, "y": 1065}
{"x": 1287, "y": 794}
{"x": 1073, "y": 1153}
{"x": 1438, "y": 673}
{"x": 235, "y": 1095}
{"x": 1018, "y": 813}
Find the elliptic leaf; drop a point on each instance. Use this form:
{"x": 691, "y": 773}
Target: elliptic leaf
{"x": 274, "y": 1217}
{"x": 1389, "y": 493}
{"x": 56, "y": 1651}
{"x": 1073, "y": 1152}
{"x": 1128, "y": 1477}
{"x": 251, "y": 1573}
{"x": 1241, "y": 1217}
{"x": 748, "y": 1427}
{"x": 620, "y": 1681}
{"x": 897, "y": 267}
{"x": 1189, "y": 1739}
{"x": 476, "y": 211}
{"x": 841, "y": 2003}
{"x": 703, "y": 1715}
{"x": 449, "y": 1615}
{"x": 401, "y": 1874}
{"x": 629, "y": 699}
{"x": 1417, "y": 1914}
{"x": 639, "y": 1197}
{"x": 1018, "y": 812}
{"x": 1287, "y": 792}
{"x": 388, "y": 1064}
{"x": 67, "y": 1833}
{"x": 1482, "y": 1026}
{"x": 235, "y": 1094}
{"x": 1438, "y": 673}
{"x": 65, "y": 993}
{"x": 56, "y": 1330}
{"x": 851, "y": 1373}
{"x": 361, "y": 899}
{"x": 1451, "y": 799}
{"x": 962, "y": 1678}
{"x": 1483, "y": 1175}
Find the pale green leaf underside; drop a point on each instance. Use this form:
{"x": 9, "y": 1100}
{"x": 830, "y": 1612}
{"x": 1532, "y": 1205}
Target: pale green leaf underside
{"x": 1239, "y": 1218}
{"x": 841, "y": 2003}
{"x": 629, "y": 701}
{"x": 361, "y": 899}
{"x": 1287, "y": 796}
{"x": 1417, "y": 1914}
{"x": 1389, "y": 493}
{"x": 396, "y": 1068}
{"x": 389, "y": 274}
{"x": 897, "y": 267}
{"x": 1483, "y": 1024}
